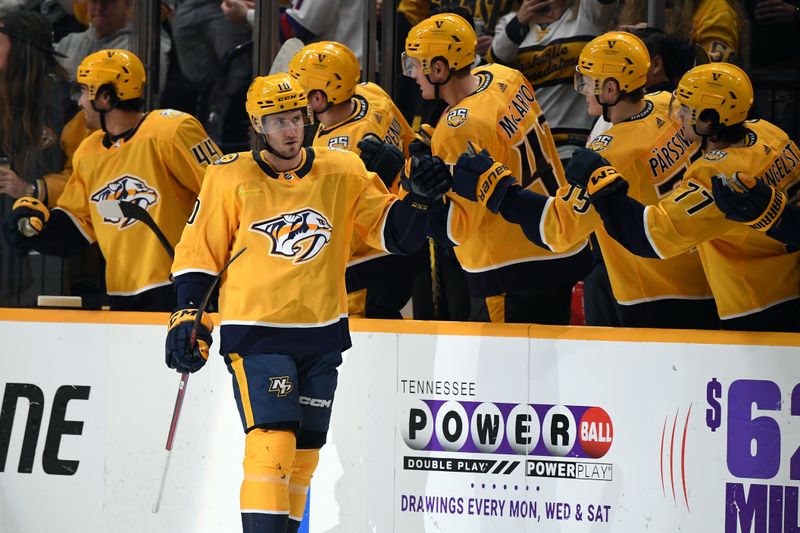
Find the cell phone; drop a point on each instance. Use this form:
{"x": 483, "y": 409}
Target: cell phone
{"x": 5, "y": 162}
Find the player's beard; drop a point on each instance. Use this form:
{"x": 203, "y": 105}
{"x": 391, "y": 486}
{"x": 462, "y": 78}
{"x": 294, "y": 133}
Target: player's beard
{"x": 289, "y": 152}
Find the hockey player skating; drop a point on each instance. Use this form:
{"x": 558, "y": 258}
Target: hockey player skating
{"x": 510, "y": 279}
{"x": 155, "y": 160}
{"x": 283, "y": 304}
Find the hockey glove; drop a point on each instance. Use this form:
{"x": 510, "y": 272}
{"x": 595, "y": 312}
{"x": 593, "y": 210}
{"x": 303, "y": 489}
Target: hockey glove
{"x": 429, "y": 180}
{"x": 480, "y": 178}
{"x": 605, "y": 181}
{"x": 422, "y": 144}
{"x": 382, "y": 158}
{"x": 27, "y": 219}
{"x": 178, "y": 354}
{"x": 589, "y": 170}
{"x": 749, "y": 200}
{"x": 584, "y": 161}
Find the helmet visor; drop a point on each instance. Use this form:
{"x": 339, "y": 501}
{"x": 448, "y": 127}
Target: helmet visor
{"x": 76, "y": 91}
{"x": 410, "y": 65}
{"x": 287, "y": 120}
{"x": 677, "y": 111}
{"x": 582, "y": 83}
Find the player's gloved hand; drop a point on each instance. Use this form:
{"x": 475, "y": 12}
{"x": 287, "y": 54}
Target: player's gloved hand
{"x": 26, "y": 219}
{"x": 422, "y": 144}
{"x": 588, "y": 169}
{"x": 583, "y": 163}
{"x": 178, "y": 354}
{"x": 426, "y": 179}
{"x": 480, "y": 178}
{"x": 382, "y": 158}
{"x": 749, "y": 200}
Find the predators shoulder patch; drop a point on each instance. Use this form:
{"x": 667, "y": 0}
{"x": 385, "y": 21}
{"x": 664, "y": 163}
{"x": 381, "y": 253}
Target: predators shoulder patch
{"x": 227, "y": 158}
{"x": 456, "y": 117}
{"x": 601, "y": 142}
{"x": 715, "y": 155}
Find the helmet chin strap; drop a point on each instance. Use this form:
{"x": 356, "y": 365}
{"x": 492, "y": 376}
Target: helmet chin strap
{"x": 607, "y": 106}
{"x": 102, "y": 113}
{"x": 436, "y": 84}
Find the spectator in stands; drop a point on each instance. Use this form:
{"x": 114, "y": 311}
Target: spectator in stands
{"x": 311, "y": 20}
{"x": 109, "y": 27}
{"x": 9, "y": 6}
{"x": 34, "y": 106}
{"x": 484, "y": 14}
{"x": 203, "y": 37}
{"x": 30, "y": 131}
{"x": 543, "y": 40}
{"x": 719, "y": 26}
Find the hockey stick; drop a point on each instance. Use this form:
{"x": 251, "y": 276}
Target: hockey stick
{"x": 289, "y": 48}
{"x": 118, "y": 209}
{"x": 184, "y": 382}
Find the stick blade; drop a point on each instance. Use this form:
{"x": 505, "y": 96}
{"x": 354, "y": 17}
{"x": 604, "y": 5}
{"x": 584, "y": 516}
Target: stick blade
{"x": 110, "y": 209}
{"x": 289, "y": 48}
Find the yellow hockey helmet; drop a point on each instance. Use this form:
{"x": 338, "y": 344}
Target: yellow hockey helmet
{"x": 273, "y": 94}
{"x": 617, "y": 54}
{"x": 445, "y": 35}
{"x": 119, "y": 68}
{"x": 329, "y": 67}
{"x": 722, "y": 87}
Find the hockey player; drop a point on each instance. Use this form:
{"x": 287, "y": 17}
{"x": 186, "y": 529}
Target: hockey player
{"x": 283, "y": 304}
{"x": 755, "y": 280}
{"x": 155, "y": 160}
{"x": 748, "y": 200}
{"x": 350, "y": 112}
{"x": 510, "y": 279}
{"x": 363, "y": 119}
{"x": 649, "y": 148}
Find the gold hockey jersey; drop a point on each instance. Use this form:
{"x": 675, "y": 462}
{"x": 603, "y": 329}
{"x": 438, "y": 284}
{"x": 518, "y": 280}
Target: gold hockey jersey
{"x": 502, "y": 116}
{"x": 373, "y": 112}
{"x": 747, "y": 270}
{"x": 288, "y": 287}
{"x": 160, "y": 167}
{"x": 653, "y": 155}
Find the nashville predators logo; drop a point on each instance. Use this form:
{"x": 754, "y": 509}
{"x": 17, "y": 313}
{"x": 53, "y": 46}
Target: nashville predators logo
{"x": 127, "y": 189}
{"x": 299, "y": 236}
{"x": 281, "y": 386}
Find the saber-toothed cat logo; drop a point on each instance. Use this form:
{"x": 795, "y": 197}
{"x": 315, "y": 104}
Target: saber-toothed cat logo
{"x": 127, "y": 189}
{"x": 299, "y": 236}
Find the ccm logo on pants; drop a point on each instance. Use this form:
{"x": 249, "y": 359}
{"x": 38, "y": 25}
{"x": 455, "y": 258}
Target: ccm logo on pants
{"x": 315, "y": 402}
